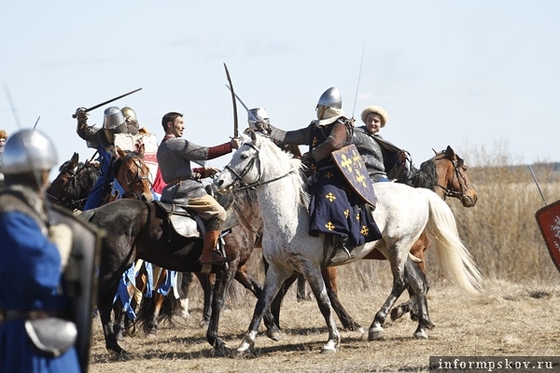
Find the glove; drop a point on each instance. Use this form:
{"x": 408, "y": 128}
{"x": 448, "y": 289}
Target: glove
{"x": 61, "y": 236}
{"x": 211, "y": 171}
{"x": 81, "y": 115}
{"x": 307, "y": 158}
{"x": 235, "y": 142}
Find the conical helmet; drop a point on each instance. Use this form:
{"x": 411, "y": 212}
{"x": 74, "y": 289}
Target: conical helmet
{"x": 258, "y": 114}
{"x": 331, "y": 98}
{"x": 28, "y": 151}
{"x": 131, "y": 120}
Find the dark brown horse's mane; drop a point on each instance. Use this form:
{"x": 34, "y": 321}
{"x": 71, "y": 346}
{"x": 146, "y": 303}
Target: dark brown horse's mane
{"x": 425, "y": 177}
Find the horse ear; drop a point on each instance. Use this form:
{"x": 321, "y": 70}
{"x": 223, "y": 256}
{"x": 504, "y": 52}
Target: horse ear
{"x": 253, "y": 136}
{"x": 434, "y": 151}
{"x": 74, "y": 160}
{"x": 141, "y": 149}
{"x": 449, "y": 151}
{"x": 120, "y": 152}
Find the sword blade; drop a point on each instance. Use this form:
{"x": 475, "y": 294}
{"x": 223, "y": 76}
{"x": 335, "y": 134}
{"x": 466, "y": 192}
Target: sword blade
{"x": 235, "y": 120}
{"x": 251, "y": 115}
{"x": 109, "y": 101}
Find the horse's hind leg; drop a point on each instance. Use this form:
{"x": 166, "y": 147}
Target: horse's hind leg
{"x": 416, "y": 280}
{"x": 399, "y": 285}
{"x": 417, "y": 250}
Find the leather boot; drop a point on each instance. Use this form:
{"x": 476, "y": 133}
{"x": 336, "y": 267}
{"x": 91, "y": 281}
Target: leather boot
{"x": 342, "y": 252}
{"x": 209, "y": 253}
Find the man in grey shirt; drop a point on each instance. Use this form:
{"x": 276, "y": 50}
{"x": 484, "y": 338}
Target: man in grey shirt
{"x": 184, "y": 187}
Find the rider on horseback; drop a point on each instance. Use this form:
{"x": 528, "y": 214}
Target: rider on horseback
{"x": 183, "y": 183}
{"x": 332, "y": 210}
{"x": 384, "y": 160}
{"x": 115, "y": 121}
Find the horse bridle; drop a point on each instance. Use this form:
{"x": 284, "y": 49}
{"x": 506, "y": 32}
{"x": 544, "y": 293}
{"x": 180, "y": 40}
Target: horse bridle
{"x": 137, "y": 179}
{"x": 463, "y": 184}
{"x": 63, "y": 200}
{"x": 255, "y": 159}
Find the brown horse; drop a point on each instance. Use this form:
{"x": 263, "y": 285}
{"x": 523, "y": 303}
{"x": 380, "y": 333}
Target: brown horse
{"x": 446, "y": 174}
{"x": 74, "y": 182}
{"x": 131, "y": 176}
{"x": 141, "y": 230}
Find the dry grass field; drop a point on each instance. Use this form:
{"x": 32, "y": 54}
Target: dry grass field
{"x": 517, "y": 313}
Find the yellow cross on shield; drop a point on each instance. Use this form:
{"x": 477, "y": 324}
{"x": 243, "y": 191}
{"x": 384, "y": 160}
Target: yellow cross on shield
{"x": 352, "y": 166}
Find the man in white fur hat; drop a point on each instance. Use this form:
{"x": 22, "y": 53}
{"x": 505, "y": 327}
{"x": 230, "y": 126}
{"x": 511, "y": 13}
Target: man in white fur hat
{"x": 384, "y": 160}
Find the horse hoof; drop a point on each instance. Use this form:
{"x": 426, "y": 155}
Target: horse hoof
{"x": 420, "y": 334}
{"x": 329, "y": 348}
{"x": 375, "y": 334}
{"x": 397, "y": 313}
{"x": 274, "y": 335}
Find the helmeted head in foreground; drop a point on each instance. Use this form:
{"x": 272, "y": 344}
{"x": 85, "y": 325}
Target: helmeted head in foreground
{"x": 28, "y": 153}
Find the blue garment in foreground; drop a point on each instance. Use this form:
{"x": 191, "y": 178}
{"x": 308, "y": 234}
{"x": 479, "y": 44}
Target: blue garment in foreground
{"x": 29, "y": 280}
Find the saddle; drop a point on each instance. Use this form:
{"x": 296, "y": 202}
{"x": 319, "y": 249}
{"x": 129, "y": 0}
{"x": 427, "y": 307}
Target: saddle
{"x": 189, "y": 224}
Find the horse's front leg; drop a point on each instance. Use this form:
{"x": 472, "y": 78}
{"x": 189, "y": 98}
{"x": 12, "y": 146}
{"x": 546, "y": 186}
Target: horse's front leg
{"x": 314, "y": 277}
{"x": 329, "y": 276}
{"x": 274, "y": 279}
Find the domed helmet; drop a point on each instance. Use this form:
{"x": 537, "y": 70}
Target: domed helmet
{"x": 256, "y": 115}
{"x": 28, "y": 151}
{"x": 331, "y": 98}
{"x": 130, "y": 119}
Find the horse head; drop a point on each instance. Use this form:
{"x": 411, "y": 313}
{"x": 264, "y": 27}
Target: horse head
{"x": 246, "y": 170}
{"x": 132, "y": 175}
{"x": 453, "y": 179}
{"x": 73, "y": 184}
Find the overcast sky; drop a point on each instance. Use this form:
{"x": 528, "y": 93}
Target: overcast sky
{"x": 469, "y": 74}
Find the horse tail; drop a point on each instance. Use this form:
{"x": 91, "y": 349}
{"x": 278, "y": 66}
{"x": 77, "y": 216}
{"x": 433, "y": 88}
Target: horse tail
{"x": 455, "y": 260}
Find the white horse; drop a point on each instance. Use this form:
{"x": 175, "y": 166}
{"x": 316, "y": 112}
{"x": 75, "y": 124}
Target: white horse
{"x": 402, "y": 213}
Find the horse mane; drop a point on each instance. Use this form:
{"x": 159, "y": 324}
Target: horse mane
{"x": 293, "y": 167}
{"x": 425, "y": 177}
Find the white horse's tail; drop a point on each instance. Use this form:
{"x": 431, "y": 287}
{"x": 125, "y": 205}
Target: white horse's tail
{"x": 455, "y": 260}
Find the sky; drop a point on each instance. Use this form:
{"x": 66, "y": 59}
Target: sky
{"x": 471, "y": 74}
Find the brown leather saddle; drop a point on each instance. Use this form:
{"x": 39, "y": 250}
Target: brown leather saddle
{"x": 188, "y": 223}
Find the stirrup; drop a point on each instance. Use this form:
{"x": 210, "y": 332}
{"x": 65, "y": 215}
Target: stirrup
{"x": 342, "y": 254}
{"x": 217, "y": 259}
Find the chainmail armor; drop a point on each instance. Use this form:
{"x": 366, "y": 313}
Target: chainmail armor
{"x": 174, "y": 158}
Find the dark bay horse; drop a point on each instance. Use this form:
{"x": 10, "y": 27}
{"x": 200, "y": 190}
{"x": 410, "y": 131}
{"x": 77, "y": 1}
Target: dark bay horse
{"x": 140, "y": 230}
{"x": 73, "y": 183}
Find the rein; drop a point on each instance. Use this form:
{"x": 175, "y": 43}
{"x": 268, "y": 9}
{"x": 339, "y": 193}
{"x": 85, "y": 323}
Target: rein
{"x": 245, "y": 171}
